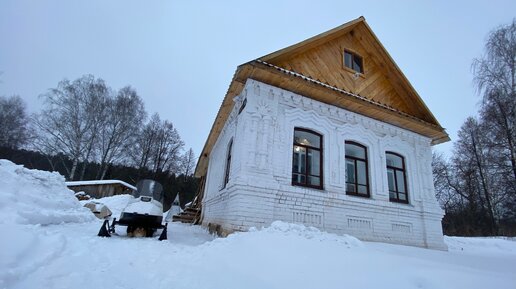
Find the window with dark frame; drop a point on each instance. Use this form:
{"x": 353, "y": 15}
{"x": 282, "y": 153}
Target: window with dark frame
{"x": 357, "y": 178}
{"x": 228, "y": 163}
{"x": 307, "y": 159}
{"x": 242, "y": 106}
{"x": 396, "y": 177}
{"x": 353, "y": 61}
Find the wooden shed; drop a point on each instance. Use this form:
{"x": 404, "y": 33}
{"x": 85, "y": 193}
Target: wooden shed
{"x": 101, "y": 188}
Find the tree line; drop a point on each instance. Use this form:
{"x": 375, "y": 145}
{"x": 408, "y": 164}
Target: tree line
{"x": 476, "y": 186}
{"x": 87, "y": 130}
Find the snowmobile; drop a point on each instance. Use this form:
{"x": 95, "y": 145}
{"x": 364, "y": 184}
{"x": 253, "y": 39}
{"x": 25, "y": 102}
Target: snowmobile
{"x": 143, "y": 215}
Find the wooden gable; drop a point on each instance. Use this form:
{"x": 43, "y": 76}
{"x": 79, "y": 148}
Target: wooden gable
{"x": 322, "y": 58}
{"x": 315, "y": 68}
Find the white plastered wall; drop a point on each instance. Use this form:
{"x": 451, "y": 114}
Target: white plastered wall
{"x": 259, "y": 190}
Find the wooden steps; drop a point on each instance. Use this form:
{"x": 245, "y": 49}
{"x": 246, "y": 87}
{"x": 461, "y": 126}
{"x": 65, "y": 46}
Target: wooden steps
{"x": 189, "y": 215}
{"x": 192, "y": 213}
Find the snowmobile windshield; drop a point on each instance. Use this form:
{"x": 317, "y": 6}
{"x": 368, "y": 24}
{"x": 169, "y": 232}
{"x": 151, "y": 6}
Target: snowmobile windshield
{"x": 149, "y": 188}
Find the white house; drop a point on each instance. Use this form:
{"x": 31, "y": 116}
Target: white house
{"x": 328, "y": 133}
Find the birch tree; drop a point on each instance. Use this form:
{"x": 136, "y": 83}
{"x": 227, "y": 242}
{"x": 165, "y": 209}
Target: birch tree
{"x": 71, "y": 116}
{"x": 495, "y": 77}
{"x": 124, "y": 115}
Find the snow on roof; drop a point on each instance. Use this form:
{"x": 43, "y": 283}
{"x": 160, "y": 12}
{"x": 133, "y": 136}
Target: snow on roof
{"x": 99, "y": 182}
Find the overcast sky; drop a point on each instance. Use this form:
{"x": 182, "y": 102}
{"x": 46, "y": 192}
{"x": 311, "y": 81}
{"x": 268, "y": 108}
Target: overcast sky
{"x": 181, "y": 56}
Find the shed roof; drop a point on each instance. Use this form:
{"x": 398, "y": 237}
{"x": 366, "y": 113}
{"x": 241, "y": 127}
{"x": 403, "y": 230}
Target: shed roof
{"x": 99, "y": 182}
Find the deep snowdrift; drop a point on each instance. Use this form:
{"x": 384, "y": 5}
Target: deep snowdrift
{"x": 36, "y": 197}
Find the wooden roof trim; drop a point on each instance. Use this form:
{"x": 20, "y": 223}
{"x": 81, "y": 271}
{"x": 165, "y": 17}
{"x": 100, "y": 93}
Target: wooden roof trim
{"x": 304, "y": 77}
{"x": 245, "y": 71}
{"x": 338, "y": 31}
{"x": 322, "y": 37}
{"x": 400, "y": 73}
{"x": 421, "y": 127}
{"x": 219, "y": 117}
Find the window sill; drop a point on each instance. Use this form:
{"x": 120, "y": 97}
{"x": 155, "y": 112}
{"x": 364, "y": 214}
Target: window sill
{"x": 354, "y": 72}
{"x": 308, "y": 186}
{"x": 368, "y": 196}
{"x": 399, "y": 202}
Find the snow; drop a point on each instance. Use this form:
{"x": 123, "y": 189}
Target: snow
{"x": 283, "y": 255}
{"x": 36, "y": 197}
{"x": 115, "y": 203}
{"x": 100, "y": 182}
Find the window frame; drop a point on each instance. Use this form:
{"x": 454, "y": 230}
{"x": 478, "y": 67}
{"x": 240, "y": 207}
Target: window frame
{"x": 228, "y": 163}
{"x": 353, "y": 56}
{"x": 404, "y": 171}
{"x": 306, "y": 174}
{"x": 346, "y": 157}
{"x": 242, "y": 106}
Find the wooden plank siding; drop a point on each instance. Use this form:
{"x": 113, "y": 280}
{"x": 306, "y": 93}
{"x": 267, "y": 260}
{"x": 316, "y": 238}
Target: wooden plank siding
{"x": 98, "y": 191}
{"x": 325, "y": 63}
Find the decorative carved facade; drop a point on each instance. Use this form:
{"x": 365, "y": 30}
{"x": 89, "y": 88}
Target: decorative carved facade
{"x": 259, "y": 116}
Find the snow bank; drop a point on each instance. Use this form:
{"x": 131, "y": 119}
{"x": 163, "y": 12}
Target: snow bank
{"x": 280, "y": 228}
{"x": 284, "y": 234}
{"x": 37, "y": 197}
{"x": 482, "y": 245}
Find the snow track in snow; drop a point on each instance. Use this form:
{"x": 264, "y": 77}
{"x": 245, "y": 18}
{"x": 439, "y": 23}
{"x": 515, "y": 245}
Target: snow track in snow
{"x": 22, "y": 243}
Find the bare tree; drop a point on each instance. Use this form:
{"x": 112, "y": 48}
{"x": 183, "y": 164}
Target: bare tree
{"x": 71, "y": 117}
{"x": 477, "y": 186}
{"x": 14, "y": 122}
{"x": 124, "y": 116}
{"x": 188, "y": 162}
{"x": 158, "y": 147}
{"x": 142, "y": 149}
{"x": 446, "y": 189}
{"x": 473, "y": 148}
{"x": 166, "y": 156}
{"x": 495, "y": 77}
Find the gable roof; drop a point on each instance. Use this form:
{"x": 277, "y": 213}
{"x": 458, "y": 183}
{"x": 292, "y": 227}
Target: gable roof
{"x": 382, "y": 92}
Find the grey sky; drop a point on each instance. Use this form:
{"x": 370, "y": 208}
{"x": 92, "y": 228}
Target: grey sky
{"x": 181, "y": 56}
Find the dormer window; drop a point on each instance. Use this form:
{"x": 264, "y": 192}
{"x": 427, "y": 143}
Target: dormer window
{"x": 353, "y": 61}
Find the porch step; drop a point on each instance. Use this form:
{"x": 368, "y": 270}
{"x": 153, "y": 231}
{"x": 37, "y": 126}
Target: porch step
{"x": 189, "y": 215}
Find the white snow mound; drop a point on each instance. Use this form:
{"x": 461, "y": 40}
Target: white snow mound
{"x": 286, "y": 234}
{"x": 310, "y": 233}
{"x": 37, "y": 197}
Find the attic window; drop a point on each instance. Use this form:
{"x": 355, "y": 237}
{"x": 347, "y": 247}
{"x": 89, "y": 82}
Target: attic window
{"x": 353, "y": 61}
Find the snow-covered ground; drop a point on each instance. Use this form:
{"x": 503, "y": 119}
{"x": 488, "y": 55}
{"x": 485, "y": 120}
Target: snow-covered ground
{"x": 68, "y": 254}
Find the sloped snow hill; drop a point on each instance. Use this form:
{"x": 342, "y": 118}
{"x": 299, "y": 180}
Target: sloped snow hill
{"x": 66, "y": 254}
{"x": 36, "y": 197}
